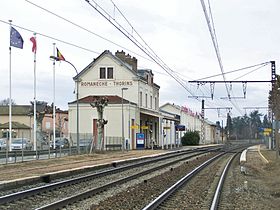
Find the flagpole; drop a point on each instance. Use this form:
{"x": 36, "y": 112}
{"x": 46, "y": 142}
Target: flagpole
{"x": 10, "y": 94}
{"x": 8, "y": 144}
{"x": 35, "y": 103}
{"x": 54, "y": 146}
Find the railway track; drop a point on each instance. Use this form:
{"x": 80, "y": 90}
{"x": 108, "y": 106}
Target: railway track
{"x": 66, "y": 192}
{"x": 199, "y": 189}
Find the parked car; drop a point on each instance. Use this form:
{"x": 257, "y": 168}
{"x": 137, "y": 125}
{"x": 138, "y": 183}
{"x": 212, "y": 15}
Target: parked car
{"x": 60, "y": 143}
{"x": 21, "y": 143}
{"x": 3, "y": 144}
{"x": 85, "y": 142}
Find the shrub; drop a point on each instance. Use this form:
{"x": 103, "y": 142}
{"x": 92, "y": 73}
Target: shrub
{"x": 190, "y": 138}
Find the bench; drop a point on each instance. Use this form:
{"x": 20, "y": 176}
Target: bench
{"x": 113, "y": 146}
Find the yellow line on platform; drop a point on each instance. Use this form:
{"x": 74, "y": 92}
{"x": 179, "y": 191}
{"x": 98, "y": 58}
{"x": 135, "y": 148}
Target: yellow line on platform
{"x": 259, "y": 151}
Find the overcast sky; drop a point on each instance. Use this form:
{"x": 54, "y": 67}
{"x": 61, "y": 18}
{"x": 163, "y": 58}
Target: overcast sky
{"x": 177, "y": 31}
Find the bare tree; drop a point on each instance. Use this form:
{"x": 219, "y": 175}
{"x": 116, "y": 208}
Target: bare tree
{"x": 5, "y": 102}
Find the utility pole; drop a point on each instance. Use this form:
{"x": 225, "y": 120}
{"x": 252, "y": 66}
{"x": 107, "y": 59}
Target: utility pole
{"x": 100, "y": 104}
{"x": 274, "y": 101}
{"x": 202, "y": 123}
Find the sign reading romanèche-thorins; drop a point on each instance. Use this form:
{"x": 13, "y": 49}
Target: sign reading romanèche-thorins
{"x": 118, "y": 83}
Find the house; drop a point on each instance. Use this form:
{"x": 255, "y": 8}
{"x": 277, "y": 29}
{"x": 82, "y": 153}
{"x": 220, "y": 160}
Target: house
{"x": 22, "y": 121}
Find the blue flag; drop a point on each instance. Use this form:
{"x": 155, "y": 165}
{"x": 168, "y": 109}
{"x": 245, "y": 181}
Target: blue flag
{"x": 16, "y": 39}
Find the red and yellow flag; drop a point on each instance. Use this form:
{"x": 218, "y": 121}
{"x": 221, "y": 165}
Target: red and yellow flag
{"x": 59, "y": 56}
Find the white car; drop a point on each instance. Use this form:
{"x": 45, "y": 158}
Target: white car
{"x": 21, "y": 143}
{"x": 3, "y": 144}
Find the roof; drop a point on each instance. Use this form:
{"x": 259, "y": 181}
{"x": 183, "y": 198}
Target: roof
{"x": 210, "y": 123}
{"x": 15, "y": 125}
{"x": 16, "y": 110}
{"x": 111, "y": 99}
{"x": 169, "y": 104}
{"x": 106, "y": 52}
{"x": 170, "y": 116}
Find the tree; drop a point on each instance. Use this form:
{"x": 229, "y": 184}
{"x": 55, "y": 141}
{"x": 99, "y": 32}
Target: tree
{"x": 190, "y": 138}
{"x": 266, "y": 122}
{"x": 41, "y": 108}
{"x": 255, "y": 123}
{"x": 5, "y": 102}
{"x": 274, "y": 101}
{"x": 229, "y": 126}
{"x": 246, "y": 127}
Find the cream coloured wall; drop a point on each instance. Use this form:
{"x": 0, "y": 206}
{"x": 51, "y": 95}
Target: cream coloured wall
{"x": 91, "y": 84}
{"x": 152, "y": 94}
{"x": 112, "y": 113}
{"x": 21, "y": 119}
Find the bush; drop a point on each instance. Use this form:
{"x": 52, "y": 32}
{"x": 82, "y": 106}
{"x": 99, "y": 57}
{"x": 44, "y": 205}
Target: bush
{"x": 190, "y": 138}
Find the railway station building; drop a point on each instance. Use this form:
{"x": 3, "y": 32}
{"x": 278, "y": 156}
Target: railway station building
{"x": 133, "y": 106}
{"x": 132, "y": 96}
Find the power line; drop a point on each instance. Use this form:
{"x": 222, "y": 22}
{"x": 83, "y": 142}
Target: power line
{"x": 241, "y": 69}
{"x": 215, "y": 42}
{"x": 250, "y": 71}
{"x": 51, "y": 37}
{"x": 83, "y": 28}
{"x": 216, "y": 47}
{"x": 130, "y": 36}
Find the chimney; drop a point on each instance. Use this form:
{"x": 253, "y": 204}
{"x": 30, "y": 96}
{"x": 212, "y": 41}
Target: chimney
{"x": 127, "y": 59}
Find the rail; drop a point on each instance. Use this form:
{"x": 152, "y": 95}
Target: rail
{"x": 160, "y": 199}
{"x": 216, "y": 198}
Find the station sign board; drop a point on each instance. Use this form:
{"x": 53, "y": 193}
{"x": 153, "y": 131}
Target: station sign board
{"x": 140, "y": 140}
{"x": 180, "y": 128}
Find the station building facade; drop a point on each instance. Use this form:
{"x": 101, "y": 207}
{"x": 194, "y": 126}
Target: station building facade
{"x": 190, "y": 121}
{"x": 132, "y": 96}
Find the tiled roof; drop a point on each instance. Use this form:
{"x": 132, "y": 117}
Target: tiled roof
{"x": 106, "y": 52}
{"x": 111, "y": 99}
{"x": 16, "y": 110}
{"x": 15, "y": 125}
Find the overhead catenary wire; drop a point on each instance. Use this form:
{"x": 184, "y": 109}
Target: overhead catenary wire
{"x": 110, "y": 19}
{"x": 250, "y": 72}
{"x": 102, "y": 37}
{"x": 236, "y": 70}
{"x": 215, "y": 42}
{"x": 217, "y": 51}
{"x": 83, "y": 28}
{"x": 154, "y": 56}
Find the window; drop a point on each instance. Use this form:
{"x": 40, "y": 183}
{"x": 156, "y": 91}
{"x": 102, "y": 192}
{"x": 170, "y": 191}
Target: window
{"x": 155, "y": 103}
{"x": 140, "y": 99}
{"x": 106, "y": 73}
{"x": 110, "y": 73}
{"x": 146, "y": 100}
{"x": 151, "y": 102}
{"x": 48, "y": 125}
{"x": 102, "y": 73}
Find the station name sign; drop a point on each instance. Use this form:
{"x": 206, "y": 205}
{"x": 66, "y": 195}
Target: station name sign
{"x": 106, "y": 83}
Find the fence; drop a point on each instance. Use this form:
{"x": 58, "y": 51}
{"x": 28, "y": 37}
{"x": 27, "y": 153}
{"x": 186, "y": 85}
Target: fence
{"x": 88, "y": 144}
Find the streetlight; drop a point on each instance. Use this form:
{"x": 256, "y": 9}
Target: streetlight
{"x": 77, "y": 98}
{"x": 123, "y": 121}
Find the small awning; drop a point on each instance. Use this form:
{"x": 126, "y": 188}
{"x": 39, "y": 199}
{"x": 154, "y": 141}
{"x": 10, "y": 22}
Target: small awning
{"x": 150, "y": 113}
